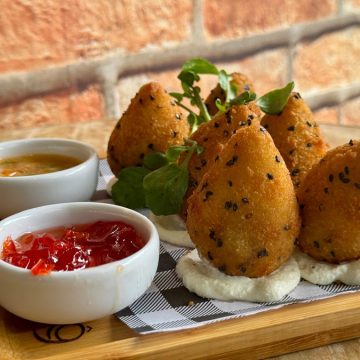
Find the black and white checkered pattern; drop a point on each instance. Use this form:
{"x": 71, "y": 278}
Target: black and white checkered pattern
{"x": 168, "y": 305}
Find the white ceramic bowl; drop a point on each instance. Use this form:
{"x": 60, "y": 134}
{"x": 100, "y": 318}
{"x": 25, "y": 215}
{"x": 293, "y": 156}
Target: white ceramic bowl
{"x": 80, "y": 295}
{"x": 74, "y": 184}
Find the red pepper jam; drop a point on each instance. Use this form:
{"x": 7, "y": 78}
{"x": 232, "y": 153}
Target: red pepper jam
{"x": 78, "y": 247}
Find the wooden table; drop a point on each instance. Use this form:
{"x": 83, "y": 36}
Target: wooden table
{"x": 284, "y": 331}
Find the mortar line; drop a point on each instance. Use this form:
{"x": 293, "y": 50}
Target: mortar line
{"x": 21, "y": 85}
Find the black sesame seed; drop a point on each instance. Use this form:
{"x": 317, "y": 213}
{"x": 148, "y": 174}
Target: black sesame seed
{"x": 332, "y": 253}
{"x": 228, "y": 205}
{"x": 242, "y": 268}
{"x": 302, "y": 206}
{"x": 316, "y": 244}
{"x": 210, "y": 256}
{"x": 222, "y": 268}
{"x": 205, "y": 185}
{"x": 346, "y": 170}
{"x": 219, "y": 243}
{"x": 295, "y": 172}
{"x": 277, "y": 159}
{"x": 142, "y": 155}
{"x": 286, "y": 227}
{"x": 291, "y": 151}
{"x": 228, "y": 117}
{"x": 172, "y": 103}
{"x": 216, "y": 124}
{"x": 266, "y": 126}
{"x": 291, "y": 128}
{"x": 203, "y": 162}
{"x": 152, "y": 97}
{"x": 205, "y": 139}
{"x": 250, "y": 117}
{"x": 297, "y": 96}
{"x": 217, "y": 158}
{"x": 326, "y": 190}
{"x": 308, "y": 123}
{"x": 309, "y": 145}
{"x": 197, "y": 167}
{"x": 321, "y": 207}
{"x": 234, "y": 207}
{"x": 212, "y": 234}
{"x": 262, "y": 253}
{"x": 232, "y": 161}
{"x": 178, "y": 116}
{"x": 262, "y": 129}
{"x": 118, "y": 125}
{"x": 140, "y": 100}
{"x": 343, "y": 179}
{"x": 242, "y": 123}
{"x": 151, "y": 146}
{"x": 226, "y": 133}
{"x": 245, "y": 200}
{"x": 270, "y": 176}
{"x": 174, "y": 134}
{"x": 207, "y": 195}
{"x": 331, "y": 177}
{"x": 351, "y": 143}
{"x": 230, "y": 183}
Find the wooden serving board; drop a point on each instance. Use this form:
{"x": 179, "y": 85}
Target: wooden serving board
{"x": 291, "y": 328}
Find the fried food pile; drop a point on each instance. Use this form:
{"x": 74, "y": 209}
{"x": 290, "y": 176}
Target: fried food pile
{"x": 256, "y": 180}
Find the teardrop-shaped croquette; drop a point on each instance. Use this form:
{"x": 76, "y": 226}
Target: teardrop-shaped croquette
{"x": 212, "y": 136}
{"x": 240, "y": 81}
{"x": 243, "y": 217}
{"x": 329, "y": 200}
{"x": 152, "y": 122}
{"x": 297, "y": 136}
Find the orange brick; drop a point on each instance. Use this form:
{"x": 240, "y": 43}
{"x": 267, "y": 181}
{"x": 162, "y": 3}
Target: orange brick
{"x": 230, "y": 19}
{"x": 61, "y": 107}
{"x": 350, "y": 112}
{"x": 327, "y": 115}
{"x": 44, "y": 32}
{"x": 329, "y": 61}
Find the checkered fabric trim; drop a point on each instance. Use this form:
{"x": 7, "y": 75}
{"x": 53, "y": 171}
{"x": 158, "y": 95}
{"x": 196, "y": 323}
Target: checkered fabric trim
{"x": 168, "y": 305}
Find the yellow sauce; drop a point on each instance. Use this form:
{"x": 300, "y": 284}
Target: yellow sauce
{"x": 35, "y": 164}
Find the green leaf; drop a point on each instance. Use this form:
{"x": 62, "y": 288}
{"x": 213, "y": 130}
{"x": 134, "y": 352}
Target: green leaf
{"x": 177, "y": 96}
{"x": 274, "y": 101}
{"x": 220, "y": 106}
{"x": 155, "y": 160}
{"x": 128, "y": 191}
{"x": 165, "y": 189}
{"x": 224, "y": 81}
{"x": 199, "y": 66}
{"x": 243, "y": 98}
{"x": 173, "y": 152}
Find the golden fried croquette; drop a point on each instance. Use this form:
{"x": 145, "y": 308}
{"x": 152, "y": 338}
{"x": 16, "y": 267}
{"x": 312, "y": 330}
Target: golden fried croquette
{"x": 243, "y": 217}
{"x": 212, "y": 136}
{"x": 152, "y": 122}
{"x": 297, "y": 136}
{"x": 240, "y": 81}
{"x": 329, "y": 199}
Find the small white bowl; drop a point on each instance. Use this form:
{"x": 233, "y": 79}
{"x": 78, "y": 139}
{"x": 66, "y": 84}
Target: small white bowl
{"x": 70, "y": 297}
{"x": 77, "y": 183}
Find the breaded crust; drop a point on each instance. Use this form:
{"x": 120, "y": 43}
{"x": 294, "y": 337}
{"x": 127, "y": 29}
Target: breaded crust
{"x": 242, "y": 84}
{"x": 329, "y": 199}
{"x": 243, "y": 217}
{"x": 212, "y": 136}
{"x": 152, "y": 122}
{"x": 297, "y": 136}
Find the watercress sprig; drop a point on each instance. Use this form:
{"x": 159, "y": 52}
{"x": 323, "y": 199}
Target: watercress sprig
{"x": 160, "y": 184}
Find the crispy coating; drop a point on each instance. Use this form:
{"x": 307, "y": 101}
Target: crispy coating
{"x": 212, "y": 136}
{"x": 329, "y": 200}
{"x": 297, "y": 136}
{"x": 152, "y": 122}
{"x": 242, "y": 84}
{"x": 243, "y": 217}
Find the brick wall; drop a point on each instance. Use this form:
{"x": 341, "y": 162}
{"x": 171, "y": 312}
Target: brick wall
{"x": 79, "y": 60}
